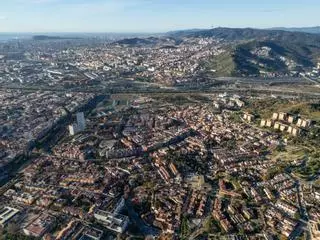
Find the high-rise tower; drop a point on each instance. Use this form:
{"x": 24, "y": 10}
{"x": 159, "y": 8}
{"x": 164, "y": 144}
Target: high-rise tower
{"x": 81, "y": 122}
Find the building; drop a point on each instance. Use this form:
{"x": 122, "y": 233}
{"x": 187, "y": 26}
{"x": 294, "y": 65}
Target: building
{"x": 292, "y": 210}
{"x": 91, "y": 234}
{"x": 317, "y": 195}
{"x": 275, "y": 116}
{"x": 40, "y": 226}
{"x": 113, "y": 221}
{"x": 283, "y": 127}
{"x": 120, "y": 205}
{"x": 79, "y": 126}
{"x": 291, "y": 119}
{"x": 305, "y": 123}
{"x": 225, "y": 224}
{"x": 282, "y": 116}
{"x": 263, "y": 123}
{"x": 239, "y": 103}
{"x": 6, "y": 214}
{"x": 268, "y": 193}
{"x": 296, "y": 131}
{"x": 73, "y": 129}
{"x": 315, "y": 231}
{"x": 196, "y": 181}
{"x": 81, "y": 121}
{"x": 299, "y": 123}
{"x": 276, "y": 125}
{"x": 269, "y": 123}
{"x": 248, "y": 117}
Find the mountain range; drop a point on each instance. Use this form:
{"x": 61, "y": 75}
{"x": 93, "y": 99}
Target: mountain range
{"x": 315, "y": 30}
{"x": 249, "y": 51}
{"x": 246, "y": 34}
{"x": 252, "y": 52}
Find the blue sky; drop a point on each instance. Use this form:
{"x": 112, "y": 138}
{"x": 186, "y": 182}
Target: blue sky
{"x": 152, "y": 15}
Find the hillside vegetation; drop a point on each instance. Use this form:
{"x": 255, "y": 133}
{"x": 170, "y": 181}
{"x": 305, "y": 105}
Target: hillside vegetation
{"x": 234, "y": 34}
{"x": 266, "y": 107}
{"x": 258, "y": 57}
{"x": 255, "y": 52}
{"x": 223, "y": 64}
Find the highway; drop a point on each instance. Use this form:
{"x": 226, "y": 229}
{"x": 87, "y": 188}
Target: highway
{"x": 312, "y": 80}
{"x": 281, "y": 92}
{"x": 8, "y": 185}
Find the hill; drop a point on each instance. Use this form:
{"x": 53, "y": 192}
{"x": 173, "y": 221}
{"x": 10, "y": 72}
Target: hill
{"x": 314, "y": 30}
{"x": 253, "y": 52}
{"x": 236, "y": 34}
{"x": 260, "y": 57}
{"x": 45, "y": 37}
{"x": 222, "y": 65}
{"x": 248, "y": 51}
{"x": 146, "y": 41}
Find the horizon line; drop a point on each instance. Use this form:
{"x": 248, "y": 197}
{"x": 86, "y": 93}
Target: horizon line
{"x": 149, "y": 32}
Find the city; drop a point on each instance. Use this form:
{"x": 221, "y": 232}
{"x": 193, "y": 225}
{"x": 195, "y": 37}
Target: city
{"x": 187, "y": 134}
{"x": 200, "y": 165}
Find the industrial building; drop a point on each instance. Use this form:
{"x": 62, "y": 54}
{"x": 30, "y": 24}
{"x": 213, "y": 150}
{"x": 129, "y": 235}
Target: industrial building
{"x": 113, "y": 221}
{"x": 6, "y": 214}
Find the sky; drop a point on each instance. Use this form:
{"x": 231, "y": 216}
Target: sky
{"x": 153, "y": 15}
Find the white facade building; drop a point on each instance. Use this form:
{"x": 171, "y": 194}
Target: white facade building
{"x": 73, "y": 129}
{"x": 113, "y": 221}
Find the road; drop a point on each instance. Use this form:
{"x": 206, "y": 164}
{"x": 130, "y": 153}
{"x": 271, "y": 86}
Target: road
{"x": 282, "y": 92}
{"x": 304, "y": 211}
{"x": 9, "y": 185}
{"x": 312, "y": 80}
{"x": 136, "y": 219}
{"x": 304, "y": 221}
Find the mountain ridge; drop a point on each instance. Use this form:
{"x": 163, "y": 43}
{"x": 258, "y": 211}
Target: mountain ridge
{"x": 253, "y": 52}
{"x": 313, "y": 30}
{"x": 243, "y": 34}
{"x": 248, "y": 51}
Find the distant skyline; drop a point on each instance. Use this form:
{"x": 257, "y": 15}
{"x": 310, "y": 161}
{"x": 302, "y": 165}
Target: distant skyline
{"x": 153, "y": 15}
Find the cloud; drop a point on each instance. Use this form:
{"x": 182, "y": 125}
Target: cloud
{"x": 3, "y": 17}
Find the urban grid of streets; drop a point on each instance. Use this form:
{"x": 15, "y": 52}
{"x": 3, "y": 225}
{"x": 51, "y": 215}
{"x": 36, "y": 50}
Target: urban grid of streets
{"x": 168, "y": 165}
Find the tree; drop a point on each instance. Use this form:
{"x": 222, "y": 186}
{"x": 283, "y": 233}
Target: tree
{"x": 2, "y": 233}
{"x": 185, "y": 231}
{"x": 12, "y": 228}
{"x": 297, "y": 215}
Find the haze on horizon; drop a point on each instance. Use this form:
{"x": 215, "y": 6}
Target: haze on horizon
{"x": 152, "y": 15}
